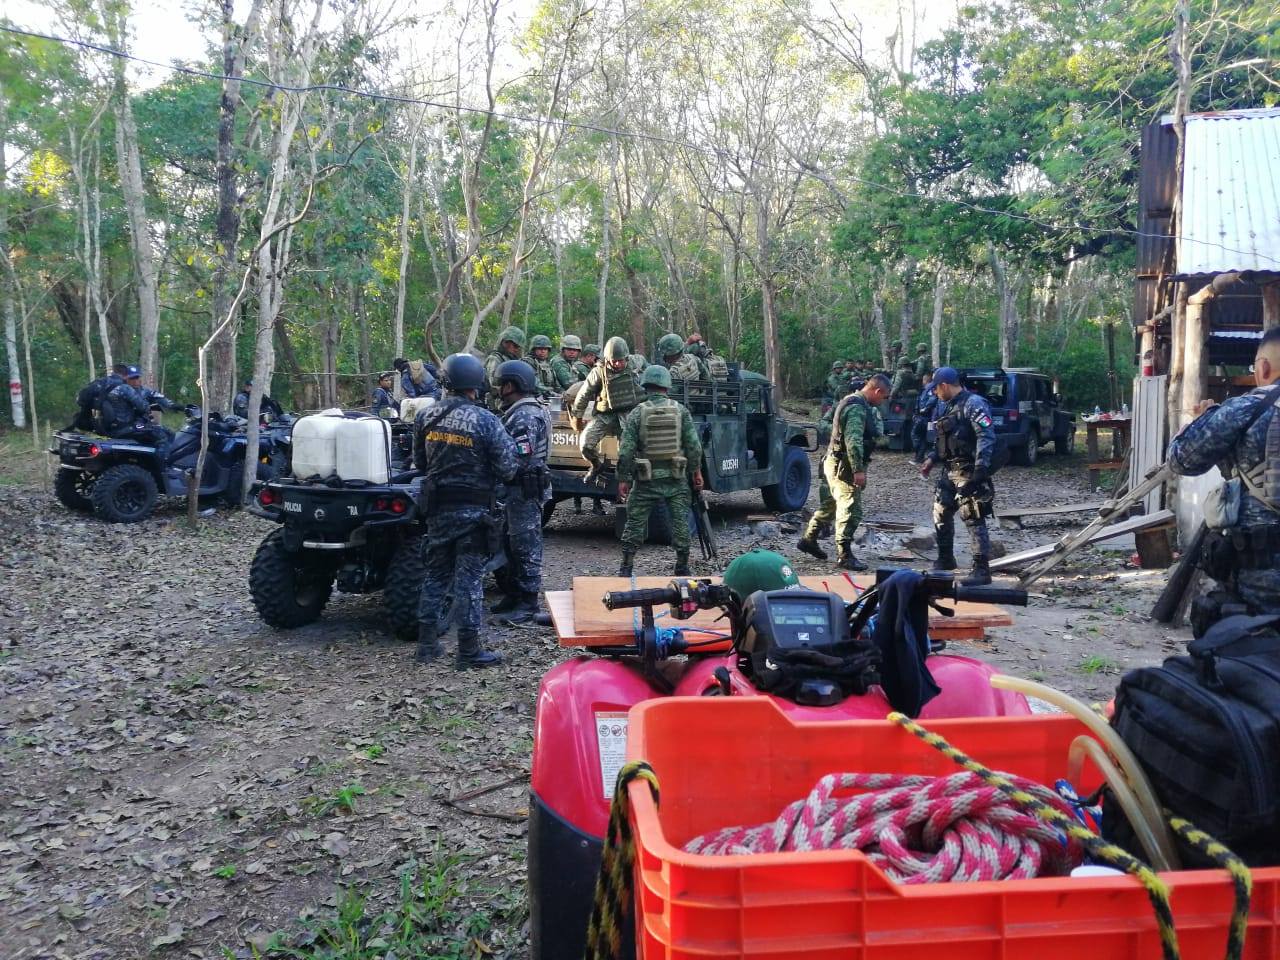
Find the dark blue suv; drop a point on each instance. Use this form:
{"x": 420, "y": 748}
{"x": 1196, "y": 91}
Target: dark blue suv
{"x": 1026, "y": 411}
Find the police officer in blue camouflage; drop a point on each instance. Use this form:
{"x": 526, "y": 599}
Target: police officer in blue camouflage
{"x": 464, "y": 455}
{"x": 1241, "y": 437}
{"x": 527, "y": 421}
{"x": 126, "y": 413}
{"x": 965, "y": 446}
{"x": 382, "y": 402}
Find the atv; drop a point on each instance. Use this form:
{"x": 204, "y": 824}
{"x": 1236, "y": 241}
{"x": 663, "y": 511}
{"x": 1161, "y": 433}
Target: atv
{"x": 121, "y": 480}
{"x": 580, "y": 728}
{"x": 359, "y": 537}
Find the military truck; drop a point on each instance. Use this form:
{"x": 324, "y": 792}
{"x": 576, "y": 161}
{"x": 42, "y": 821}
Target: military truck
{"x": 746, "y": 445}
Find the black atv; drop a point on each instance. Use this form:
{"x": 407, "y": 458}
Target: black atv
{"x": 359, "y": 537}
{"x": 120, "y": 480}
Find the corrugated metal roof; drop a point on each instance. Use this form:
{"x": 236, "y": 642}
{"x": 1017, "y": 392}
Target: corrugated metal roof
{"x": 1231, "y": 193}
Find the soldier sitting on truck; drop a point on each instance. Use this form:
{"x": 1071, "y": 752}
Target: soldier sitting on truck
{"x": 564, "y": 364}
{"x": 615, "y": 389}
{"x": 509, "y": 346}
{"x": 904, "y": 380}
{"x": 716, "y": 364}
{"x": 586, "y": 361}
{"x": 682, "y": 365}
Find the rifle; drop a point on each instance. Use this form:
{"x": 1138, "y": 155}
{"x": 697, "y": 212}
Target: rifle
{"x": 1171, "y": 599}
{"x": 702, "y": 523}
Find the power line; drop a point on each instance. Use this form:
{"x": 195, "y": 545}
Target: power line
{"x": 629, "y": 134}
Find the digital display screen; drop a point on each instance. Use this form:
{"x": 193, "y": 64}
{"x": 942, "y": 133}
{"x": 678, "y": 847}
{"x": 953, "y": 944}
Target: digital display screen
{"x": 799, "y": 614}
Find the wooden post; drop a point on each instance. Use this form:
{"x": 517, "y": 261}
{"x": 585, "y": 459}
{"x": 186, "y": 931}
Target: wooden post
{"x": 1112, "y": 387}
{"x": 1271, "y": 305}
{"x": 1195, "y": 373}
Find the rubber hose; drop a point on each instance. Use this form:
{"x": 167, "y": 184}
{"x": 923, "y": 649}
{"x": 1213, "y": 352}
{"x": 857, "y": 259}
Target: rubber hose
{"x": 1118, "y": 749}
{"x": 1083, "y": 746}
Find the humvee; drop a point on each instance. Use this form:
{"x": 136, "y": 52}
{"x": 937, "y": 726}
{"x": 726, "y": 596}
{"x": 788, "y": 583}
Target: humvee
{"x": 746, "y": 445}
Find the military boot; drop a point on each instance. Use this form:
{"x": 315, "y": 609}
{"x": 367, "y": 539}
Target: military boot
{"x": 980, "y": 540}
{"x": 682, "y": 564}
{"x": 845, "y": 559}
{"x": 428, "y": 644}
{"x": 809, "y": 545}
{"x": 472, "y": 655}
{"x": 946, "y": 549}
{"x": 980, "y": 575}
{"x": 596, "y": 466}
{"x": 509, "y": 602}
{"x": 628, "y": 559}
{"x": 524, "y": 610}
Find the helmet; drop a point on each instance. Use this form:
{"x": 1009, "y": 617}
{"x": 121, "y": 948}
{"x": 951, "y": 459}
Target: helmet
{"x": 131, "y": 371}
{"x": 670, "y": 345}
{"x": 837, "y": 364}
{"x": 616, "y": 349}
{"x": 922, "y": 347}
{"x": 462, "y": 371}
{"x": 539, "y": 342}
{"x": 386, "y": 375}
{"x": 656, "y": 376}
{"x": 592, "y": 348}
{"x": 515, "y": 335}
{"x": 519, "y": 373}
{"x": 896, "y": 343}
{"x": 760, "y": 570}
{"x": 570, "y": 341}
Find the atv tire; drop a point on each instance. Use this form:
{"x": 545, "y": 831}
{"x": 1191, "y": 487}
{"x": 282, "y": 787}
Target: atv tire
{"x": 124, "y": 494}
{"x": 403, "y": 586}
{"x": 791, "y": 492}
{"x": 287, "y": 591}
{"x": 74, "y": 489}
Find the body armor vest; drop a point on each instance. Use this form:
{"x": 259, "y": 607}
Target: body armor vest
{"x": 660, "y": 430}
{"x": 839, "y": 447}
{"x": 956, "y": 437}
{"x": 619, "y": 390}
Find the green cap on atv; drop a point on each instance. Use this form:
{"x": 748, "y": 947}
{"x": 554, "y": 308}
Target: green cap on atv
{"x": 514, "y": 334}
{"x": 760, "y": 570}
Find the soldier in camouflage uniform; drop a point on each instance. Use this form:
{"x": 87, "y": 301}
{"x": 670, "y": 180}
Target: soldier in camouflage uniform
{"x": 904, "y": 379}
{"x": 895, "y": 354}
{"x": 717, "y": 366}
{"x": 509, "y": 347}
{"x": 661, "y": 453}
{"x": 965, "y": 445}
{"x": 833, "y": 389}
{"x": 853, "y": 435}
{"x": 526, "y": 420}
{"x": 615, "y": 389}
{"x": 540, "y": 360}
{"x": 1241, "y": 437}
{"x": 464, "y": 454}
{"x": 923, "y": 360}
{"x": 564, "y": 363}
{"x": 682, "y": 365}
{"x": 586, "y": 360}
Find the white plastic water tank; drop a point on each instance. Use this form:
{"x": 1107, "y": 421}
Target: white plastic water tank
{"x": 315, "y": 444}
{"x": 410, "y": 407}
{"x": 364, "y": 449}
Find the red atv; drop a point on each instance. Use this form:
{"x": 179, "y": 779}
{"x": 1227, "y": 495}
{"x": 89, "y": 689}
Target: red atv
{"x": 816, "y": 656}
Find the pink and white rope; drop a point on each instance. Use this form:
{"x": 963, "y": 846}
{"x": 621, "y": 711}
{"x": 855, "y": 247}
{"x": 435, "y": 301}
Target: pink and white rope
{"x": 917, "y": 829}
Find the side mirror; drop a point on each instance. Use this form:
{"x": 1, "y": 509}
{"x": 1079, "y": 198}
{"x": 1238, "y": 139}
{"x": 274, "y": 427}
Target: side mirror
{"x": 1057, "y": 398}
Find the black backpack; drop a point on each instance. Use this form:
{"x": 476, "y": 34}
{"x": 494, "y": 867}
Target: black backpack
{"x": 88, "y": 403}
{"x": 1206, "y": 729}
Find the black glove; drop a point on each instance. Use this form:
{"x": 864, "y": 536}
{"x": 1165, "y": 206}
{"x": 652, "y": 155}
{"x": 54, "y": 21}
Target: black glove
{"x": 191, "y": 410}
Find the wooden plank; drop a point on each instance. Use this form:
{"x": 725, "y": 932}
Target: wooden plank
{"x": 1012, "y": 513}
{"x": 1106, "y": 533}
{"x": 590, "y": 618}
{"x": 1109, "y": 465}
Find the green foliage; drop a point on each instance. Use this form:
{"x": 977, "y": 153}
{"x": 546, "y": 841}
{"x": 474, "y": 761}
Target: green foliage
{"x": 342, "y": 800}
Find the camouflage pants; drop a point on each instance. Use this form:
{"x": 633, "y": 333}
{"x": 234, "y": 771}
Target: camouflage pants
{"x": 974, "y": 510}
{"x": 524, "y": 542}
{"x": 645, "y": 495}
{"x": 454, "y": 552}
{"x": 842, "y": 506}
{"x": 598, "y": 427}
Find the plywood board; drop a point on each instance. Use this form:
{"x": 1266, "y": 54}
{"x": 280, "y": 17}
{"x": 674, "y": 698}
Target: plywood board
{"x": 1106, "y": 533}
{"x": 1011, "y": 513}
{"x": 1147, "y": 443}
{"x": 591, "y": 619}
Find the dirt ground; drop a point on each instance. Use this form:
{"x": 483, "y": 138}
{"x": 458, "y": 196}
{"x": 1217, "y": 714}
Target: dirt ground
{"x": 178, "y": 780}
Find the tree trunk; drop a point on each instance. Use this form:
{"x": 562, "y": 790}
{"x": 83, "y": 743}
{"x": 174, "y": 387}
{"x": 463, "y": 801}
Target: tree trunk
{"x": 935, "y": 327}
{"x": 7, "y": 291}
{"x": 558, "y": 253}
{"x": 364, "y": 360}
{"x": 1008, "y": 297}
{"x": 635, "y": 305}
{"x": 406, "y": 207}
{"x": 908, "y": 319}
{"x": 129, "y": 165}
{"x": 772, "y": 356}
{"x": 95, "y": 275}
{"x": 605, "y": 258}
{"x": 877, "y": 320}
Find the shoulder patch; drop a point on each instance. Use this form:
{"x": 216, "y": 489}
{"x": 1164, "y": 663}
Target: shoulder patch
{"x": 982, "y": 419}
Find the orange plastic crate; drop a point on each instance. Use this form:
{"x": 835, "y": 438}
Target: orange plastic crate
{"x": 748, "y": 760}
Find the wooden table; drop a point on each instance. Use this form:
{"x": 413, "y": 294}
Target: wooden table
{"x": 1120, "y": 429}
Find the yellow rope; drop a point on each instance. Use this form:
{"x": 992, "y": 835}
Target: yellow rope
{"x": 1101, "y": 850}
{"x": 611, "y": 905}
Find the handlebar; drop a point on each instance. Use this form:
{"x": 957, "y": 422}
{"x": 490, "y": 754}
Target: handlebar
{"x": 650, "y": 596}
{"x": 1010, "y": 596}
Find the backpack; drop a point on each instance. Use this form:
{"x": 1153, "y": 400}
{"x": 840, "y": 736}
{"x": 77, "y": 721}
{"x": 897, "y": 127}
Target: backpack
{"x": 89, "y": 404}
{"x": 1206, "y": 729}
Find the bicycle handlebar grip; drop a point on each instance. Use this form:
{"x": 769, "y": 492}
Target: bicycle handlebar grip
{"x": 650, "y": 596}
{"x": 1010, "y": 596}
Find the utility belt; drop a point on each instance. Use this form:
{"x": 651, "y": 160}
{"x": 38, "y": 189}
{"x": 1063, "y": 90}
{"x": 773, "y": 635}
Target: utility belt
{"x": 1241, "y": 548}
{"x": 532, "y": 481}
{"x": 435, "y": 497}
{"x": 677, "y": 465}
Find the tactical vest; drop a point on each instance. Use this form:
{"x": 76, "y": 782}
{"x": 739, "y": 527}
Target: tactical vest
{"x": 619, "y": 390}
{"x": 839, "y": 446}
{"x": 718, "y": 366}
{"x": 660, "y": 430}
{"x": 510, "y": 417}
{"x": 957, "y": 439}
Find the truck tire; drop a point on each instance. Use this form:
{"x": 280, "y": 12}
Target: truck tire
{"x": 1065, "y": 445}
{"x": 1027, "y": 452}
{"x": 287, "y": 590}
{"x": 402, "y": 588}
{"x": 124, "y": 494}
{"x": 74, "y": 489}
{"x": 791, "y": 492}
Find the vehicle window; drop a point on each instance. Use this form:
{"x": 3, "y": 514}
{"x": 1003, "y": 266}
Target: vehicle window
{"x": 1026, "y": 389}
{"x": 992, "y": 390}
{"x": 1042, "y": 391}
